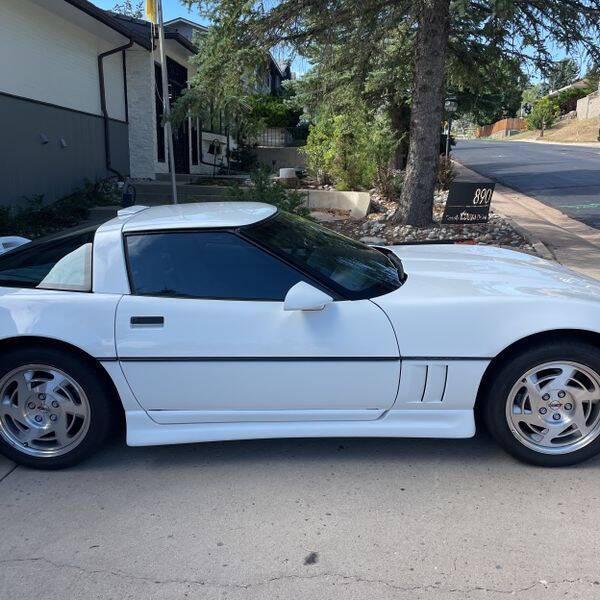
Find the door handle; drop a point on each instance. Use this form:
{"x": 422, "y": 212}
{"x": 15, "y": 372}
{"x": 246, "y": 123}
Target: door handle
{"x": 147, "y": 321}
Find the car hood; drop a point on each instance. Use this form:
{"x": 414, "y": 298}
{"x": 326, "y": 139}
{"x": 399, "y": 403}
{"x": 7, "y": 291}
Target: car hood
{"x": 467, "y": 300}
{"x": 460, "y": 269}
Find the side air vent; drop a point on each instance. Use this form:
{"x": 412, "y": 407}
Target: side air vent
{"x": 435, "y": 383}
{"x": 422, "y": 382}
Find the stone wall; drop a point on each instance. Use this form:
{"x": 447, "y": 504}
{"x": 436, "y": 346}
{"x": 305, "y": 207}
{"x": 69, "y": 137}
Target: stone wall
{"x": 142, "y": 115}
{"x": 588, "y": 107}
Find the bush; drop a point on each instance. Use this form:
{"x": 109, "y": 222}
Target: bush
{"x": 352, "y": 150}
{"x": 544, "y": 113}
{"x": 33, "y": 217}
{"x": 567, "y": 99}
{"x": 272, "y": 111}
{"x": 266, "y": 189}
{"x": 245, "y": 157}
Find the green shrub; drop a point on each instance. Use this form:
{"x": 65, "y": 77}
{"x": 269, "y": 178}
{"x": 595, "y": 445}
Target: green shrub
{"x": 272, "y": 111}
{"x": 544, "y": 112}
{"x": 266, "y": 189}
{"x": 352, "y": 150}
{"x": 32, "y": 217}
{"x": 567, "y": 99}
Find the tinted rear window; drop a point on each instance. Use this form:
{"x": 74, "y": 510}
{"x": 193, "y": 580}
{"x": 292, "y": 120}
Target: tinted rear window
{"x": 59, "y": 263}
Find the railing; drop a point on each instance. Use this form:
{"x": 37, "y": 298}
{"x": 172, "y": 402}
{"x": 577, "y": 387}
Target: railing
{"x": 282, "y": 136}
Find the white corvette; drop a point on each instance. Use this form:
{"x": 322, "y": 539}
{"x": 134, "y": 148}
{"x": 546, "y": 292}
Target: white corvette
{"x": 223, "y": 321}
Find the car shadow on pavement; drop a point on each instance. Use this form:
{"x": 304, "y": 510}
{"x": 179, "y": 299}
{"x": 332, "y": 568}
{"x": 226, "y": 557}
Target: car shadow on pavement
{"x": 480, "y": 451}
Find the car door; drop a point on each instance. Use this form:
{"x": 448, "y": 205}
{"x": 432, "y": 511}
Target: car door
{"x": 203, "y": 337}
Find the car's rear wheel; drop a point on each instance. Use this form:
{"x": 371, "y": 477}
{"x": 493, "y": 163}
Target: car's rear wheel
{"x": 54, "y": 409}
{"x": 543, "y": 405}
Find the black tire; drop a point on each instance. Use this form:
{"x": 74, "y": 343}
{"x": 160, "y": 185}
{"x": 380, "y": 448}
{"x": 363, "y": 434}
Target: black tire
{"x": 98, "y": 396}
{"x": 493, "y": 408}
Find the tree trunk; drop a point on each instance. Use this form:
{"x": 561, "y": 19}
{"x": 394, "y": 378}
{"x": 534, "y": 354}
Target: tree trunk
{"x": 433, "y": 27}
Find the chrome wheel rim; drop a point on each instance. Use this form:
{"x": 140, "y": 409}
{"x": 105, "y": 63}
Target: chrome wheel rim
{"x": 554, "y": 408}
{"x": 43, "y": 411}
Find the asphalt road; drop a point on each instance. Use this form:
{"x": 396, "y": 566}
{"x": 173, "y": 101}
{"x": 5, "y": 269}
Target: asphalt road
{"x": 309, "y": 519}
{"x": 564, "y": 176}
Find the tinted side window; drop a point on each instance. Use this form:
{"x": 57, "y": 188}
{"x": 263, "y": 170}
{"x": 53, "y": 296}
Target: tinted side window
{"x": 205, "y": 265}
{"x": 61, "y": 263}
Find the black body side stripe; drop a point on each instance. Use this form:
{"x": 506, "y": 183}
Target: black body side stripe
{"x": 288, "y": 358}
{"x": 257, "y": 358}
{"x": 445, "y": 358}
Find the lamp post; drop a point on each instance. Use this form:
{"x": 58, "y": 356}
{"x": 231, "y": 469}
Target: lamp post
{"x": 450, "y": 106}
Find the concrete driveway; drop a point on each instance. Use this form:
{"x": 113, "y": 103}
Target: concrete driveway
{"x": 301, "y": 519}
{"x": 564, "y": 176}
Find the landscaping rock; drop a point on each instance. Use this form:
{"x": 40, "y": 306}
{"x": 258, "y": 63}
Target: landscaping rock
{"x": 373, "y": 241}
{"x": 377, "y": 228}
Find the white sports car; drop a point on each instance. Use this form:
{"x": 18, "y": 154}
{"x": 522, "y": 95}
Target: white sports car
{"x": 222, "y": 321}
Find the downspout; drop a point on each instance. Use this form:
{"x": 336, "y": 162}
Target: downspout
{"x": 103, "y": 108}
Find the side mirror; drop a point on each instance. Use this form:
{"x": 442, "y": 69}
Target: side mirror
{"x": 303, "y": 296}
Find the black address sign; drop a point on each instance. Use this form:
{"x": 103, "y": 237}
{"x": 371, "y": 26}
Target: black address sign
{"x": 468, "y": 203}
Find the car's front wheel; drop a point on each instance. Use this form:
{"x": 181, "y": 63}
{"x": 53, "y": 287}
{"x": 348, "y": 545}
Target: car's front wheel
{"x": 54, "y": 410}
{"x": 543, "y": 405}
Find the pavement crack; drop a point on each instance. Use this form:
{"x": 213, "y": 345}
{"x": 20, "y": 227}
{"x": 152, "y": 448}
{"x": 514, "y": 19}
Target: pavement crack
{"x": 345, "y": 579}
{"x": 11, "y": 470}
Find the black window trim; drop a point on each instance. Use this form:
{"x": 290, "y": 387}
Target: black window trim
{"x": 236, "y": 231}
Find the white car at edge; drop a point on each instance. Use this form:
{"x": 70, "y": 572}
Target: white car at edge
{"x": 222, "y": 321}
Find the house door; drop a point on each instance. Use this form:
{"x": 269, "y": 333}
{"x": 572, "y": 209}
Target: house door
{"x": 181, "y": 143}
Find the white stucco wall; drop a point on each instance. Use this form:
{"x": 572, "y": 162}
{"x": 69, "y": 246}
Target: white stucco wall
{"x": 45, "y": 57}
{"x": 142, "y": 115}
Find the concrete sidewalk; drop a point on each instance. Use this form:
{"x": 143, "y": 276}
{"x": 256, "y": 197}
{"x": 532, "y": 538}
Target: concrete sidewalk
{"x": 567, "y": 240}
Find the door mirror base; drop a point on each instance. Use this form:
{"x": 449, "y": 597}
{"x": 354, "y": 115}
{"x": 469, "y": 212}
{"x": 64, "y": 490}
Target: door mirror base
{"x": 304, "y": 296}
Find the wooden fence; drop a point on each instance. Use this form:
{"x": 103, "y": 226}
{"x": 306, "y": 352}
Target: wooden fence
{"x": 502, "y": 128}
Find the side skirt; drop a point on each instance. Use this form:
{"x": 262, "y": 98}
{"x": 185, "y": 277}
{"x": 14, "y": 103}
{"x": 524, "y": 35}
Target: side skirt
{"x": 435, "y": 423}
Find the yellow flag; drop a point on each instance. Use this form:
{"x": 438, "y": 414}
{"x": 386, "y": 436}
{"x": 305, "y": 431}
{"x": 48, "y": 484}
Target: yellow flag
{"x": 151, "y": 11}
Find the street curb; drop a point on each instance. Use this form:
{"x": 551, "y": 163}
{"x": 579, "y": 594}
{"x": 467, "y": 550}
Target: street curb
{"x": 539, "y": 246}
{"x": 551, "y": 143}
{"x": 542, "y": 249}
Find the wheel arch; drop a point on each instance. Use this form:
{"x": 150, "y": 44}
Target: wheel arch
{"x": 27, "y": 341}
{"x": 590, "y": 337}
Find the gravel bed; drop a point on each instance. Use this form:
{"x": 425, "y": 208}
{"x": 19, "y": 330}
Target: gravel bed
{"x": 376, "y": 227}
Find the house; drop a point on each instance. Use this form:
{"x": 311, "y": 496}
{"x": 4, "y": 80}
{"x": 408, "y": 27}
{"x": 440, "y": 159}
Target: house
{"x": 80, "y": 98}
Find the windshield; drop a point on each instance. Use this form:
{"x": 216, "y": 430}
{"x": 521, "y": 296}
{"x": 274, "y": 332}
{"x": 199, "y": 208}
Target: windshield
{"x": 350, "y": 268}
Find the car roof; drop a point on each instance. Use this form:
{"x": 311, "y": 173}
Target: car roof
{"x": 198, "y": 215}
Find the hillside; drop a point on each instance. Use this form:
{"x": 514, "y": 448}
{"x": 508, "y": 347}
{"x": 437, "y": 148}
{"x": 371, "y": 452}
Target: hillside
{"x": 565, "y": 131}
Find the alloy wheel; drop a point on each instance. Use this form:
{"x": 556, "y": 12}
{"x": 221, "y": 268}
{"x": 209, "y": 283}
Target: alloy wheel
{"x": 554, "y": 408}
{"x": 43, "y": 411}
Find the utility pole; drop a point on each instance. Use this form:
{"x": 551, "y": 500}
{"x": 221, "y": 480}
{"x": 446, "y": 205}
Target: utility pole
{"x": 166, "y": 101}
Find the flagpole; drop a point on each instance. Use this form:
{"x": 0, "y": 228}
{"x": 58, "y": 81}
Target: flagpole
{"x": 166, "y": 102}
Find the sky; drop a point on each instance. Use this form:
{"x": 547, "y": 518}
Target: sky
{"x": 171, "y": 9}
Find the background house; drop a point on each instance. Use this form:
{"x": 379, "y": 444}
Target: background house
{"x": 80, "y": 98}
